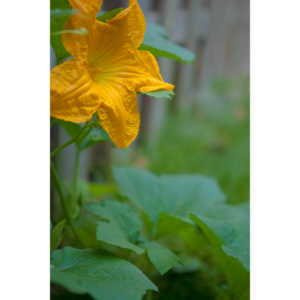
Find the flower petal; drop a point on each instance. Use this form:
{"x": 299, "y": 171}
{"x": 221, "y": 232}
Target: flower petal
{"x": 137, "y": 70}
{"x": 119, "y": 115}
{"x": 126, "y": 30}
{"x": 76, "y": 44}
{"x": 148, "y": 77}
{"x": 72, "y": 96}
{"x": 131, "y": 23}
{"x": 89, "y": 8}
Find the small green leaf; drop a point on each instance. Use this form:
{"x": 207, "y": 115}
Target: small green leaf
{"x": 121, "y": 225}
{"x": 72, "y": 129}
{"x": 96, "y": 136}
{"x": 157, "y": 43}
{"x": 161, "y": 94}
{"x": 157, "y": 30}
{"x": 57, "y": 235}
{"x": 82, "y": 31}
{"x": 60, "y": 12}
{"x": 104, "y": 16}
{"x": 57, "y": 12}
{"x": 100, "y": 275}
{"x": 161, "y": 257}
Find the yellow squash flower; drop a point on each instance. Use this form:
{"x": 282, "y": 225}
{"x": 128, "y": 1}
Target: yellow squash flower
{"x": 106, "y": 71}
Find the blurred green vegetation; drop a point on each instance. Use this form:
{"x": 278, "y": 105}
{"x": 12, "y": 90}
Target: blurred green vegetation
{"x": 213, "y": 141}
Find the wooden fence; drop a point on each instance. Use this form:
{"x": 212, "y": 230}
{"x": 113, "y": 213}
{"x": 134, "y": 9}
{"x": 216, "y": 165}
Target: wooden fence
{"x": 217, "y": 31}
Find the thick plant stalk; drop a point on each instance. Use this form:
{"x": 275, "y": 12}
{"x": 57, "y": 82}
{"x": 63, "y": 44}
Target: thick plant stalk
{"x": 63, "y": 201}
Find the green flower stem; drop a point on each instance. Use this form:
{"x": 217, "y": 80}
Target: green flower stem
{"x": 76, "y": 173}
{"x": 71, "y": 141}
{"x": 51, "y": 122}
{"x": 83, "y": 136}
{"x": 77, "y": 166}
{"x": 63, "y": 201}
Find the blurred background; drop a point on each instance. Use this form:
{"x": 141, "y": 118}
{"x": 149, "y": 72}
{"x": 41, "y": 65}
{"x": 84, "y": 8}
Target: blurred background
{"x": 204, "y": 128}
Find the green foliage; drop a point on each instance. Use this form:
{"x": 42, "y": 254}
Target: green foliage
{"x": 81, "y": 31}
{"x": 98, "y": 274}
{"x": 188, "y": 216}
{"x": 99, "y": 190}
{"x": 161, "y": 94}
{"x": 104, "y": 16}
{"x": 230, "y": 231}
{"x": 192, "y": 196}
{"x": 213, "y": 142}
{"x": 60, "y": 12}
{"x": 157, "y": 42}
{"x": 205, "y": 243}
{"x": 95, "y": 136}
{"x": 56, "y": 235}
{"x": 120, "y": 224}
{"x": 181, "y": 205}
{"x": 179, "y": 226}
{"x": 178, "y": 195}
{"x": 161, "y": 257}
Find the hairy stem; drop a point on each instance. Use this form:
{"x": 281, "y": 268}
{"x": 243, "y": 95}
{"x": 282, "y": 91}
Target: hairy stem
{"x": 71, "y": 141}
{"x": 63, "y": 200}
{"x": 76, "y": 174}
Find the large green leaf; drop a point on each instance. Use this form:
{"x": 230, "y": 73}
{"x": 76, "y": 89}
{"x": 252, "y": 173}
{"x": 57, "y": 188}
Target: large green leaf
{"x": 178, "y": 195}
{"x": 229, "y": 231}
{"x": 120, "y": 225}
{"x": 181, "y": 229}
{"x": 161, "y": 257}
{"x": 156, "y": 41}
{"x": 231, "y": 253}
{"x": 203, "y": 243}
{"x": 183, "y": 195}
{"x": 100, "y": 275}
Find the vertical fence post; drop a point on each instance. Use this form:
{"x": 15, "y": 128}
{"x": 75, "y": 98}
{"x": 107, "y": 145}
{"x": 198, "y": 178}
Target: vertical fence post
{"x": 227, "y": 48}
{"x": 185, "y": 85}
{"x": 158, "y": 107}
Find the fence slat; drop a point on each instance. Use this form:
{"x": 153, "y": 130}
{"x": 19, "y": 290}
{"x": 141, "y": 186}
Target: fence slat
{"x": 158, "y": 107}
{"x": 227, "y": 46}
{"x": 185, "y": 85}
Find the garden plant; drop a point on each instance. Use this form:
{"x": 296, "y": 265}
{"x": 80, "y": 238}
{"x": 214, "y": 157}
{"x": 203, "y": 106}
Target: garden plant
{"x": 143, "y": 234}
